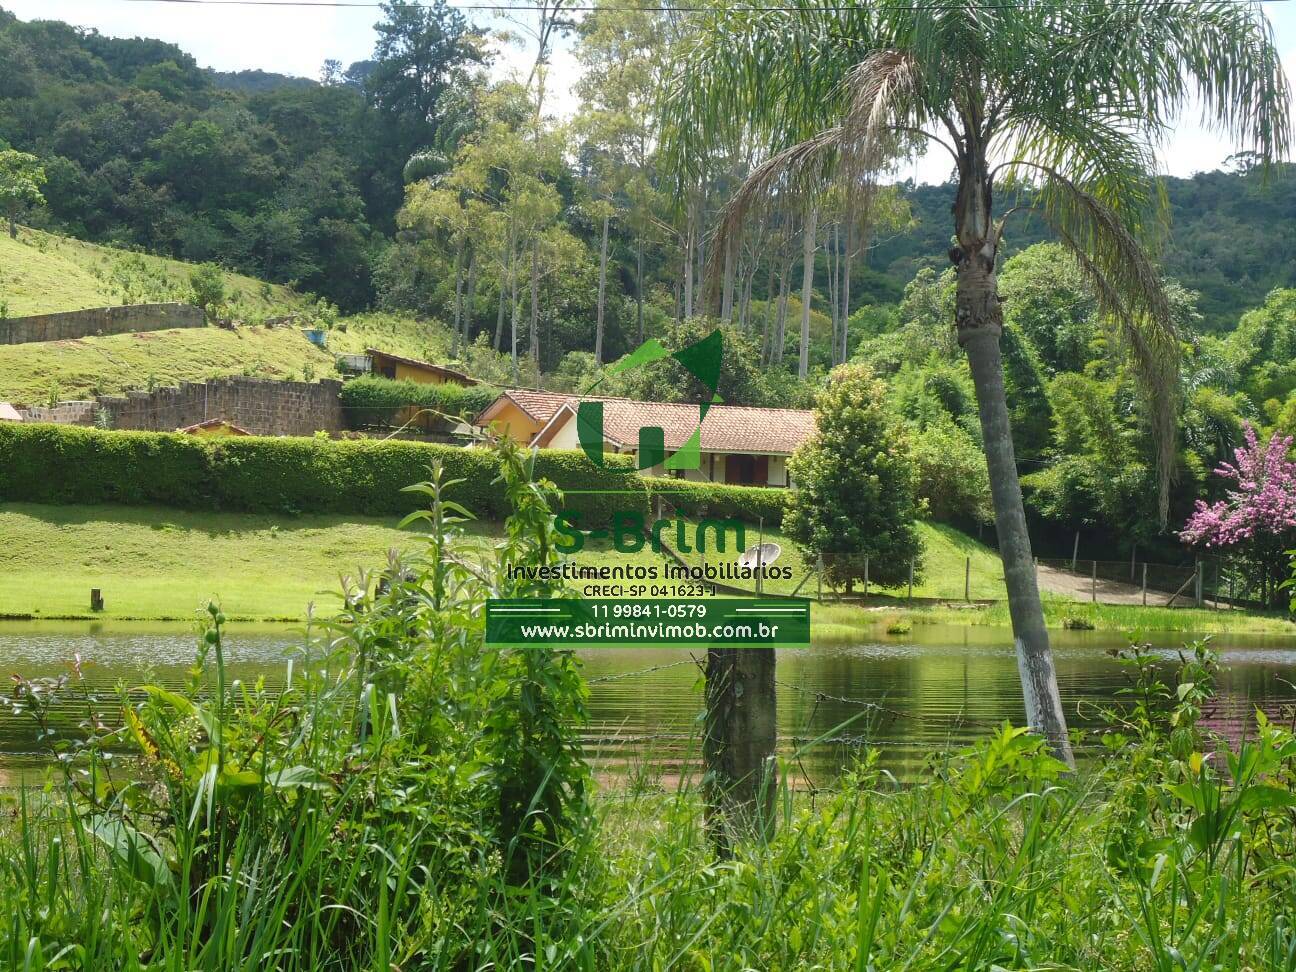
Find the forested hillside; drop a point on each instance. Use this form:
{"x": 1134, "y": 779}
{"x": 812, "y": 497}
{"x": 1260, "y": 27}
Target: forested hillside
{"x": 300, "y": 181}
{"x": 1230, "y": 238}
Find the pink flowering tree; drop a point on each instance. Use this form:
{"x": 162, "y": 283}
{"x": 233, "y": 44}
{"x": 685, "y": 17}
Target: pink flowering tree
{"x": 1256, "y": 521}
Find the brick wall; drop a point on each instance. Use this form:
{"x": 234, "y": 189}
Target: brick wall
{"x": 260, "y": 405}
{"x": 69, "y": 325}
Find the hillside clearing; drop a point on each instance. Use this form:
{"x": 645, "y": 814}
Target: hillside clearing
{"x": 70, "y": 370}
{"x": 41, "y": 273}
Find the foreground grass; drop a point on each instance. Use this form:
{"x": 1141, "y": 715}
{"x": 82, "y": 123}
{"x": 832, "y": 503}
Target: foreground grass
{"x": 415, "y": 798}
{"x": 154, "y": 563}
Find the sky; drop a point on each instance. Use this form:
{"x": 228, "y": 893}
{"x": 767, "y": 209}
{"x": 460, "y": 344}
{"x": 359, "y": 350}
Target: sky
{"x": 297, "y": 40}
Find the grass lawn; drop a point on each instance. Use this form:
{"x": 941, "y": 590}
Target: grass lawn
{"x": 162, "y": 564}
{"x": 154, "y": 563}
{"x": 945, "y": 555}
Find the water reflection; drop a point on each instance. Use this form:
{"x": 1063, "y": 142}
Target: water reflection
{"x": 935, "y": 689}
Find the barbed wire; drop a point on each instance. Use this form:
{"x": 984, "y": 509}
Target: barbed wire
{"x": 643, "y": 671}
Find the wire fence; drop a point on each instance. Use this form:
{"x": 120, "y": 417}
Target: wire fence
{"x": 977, "y": 577}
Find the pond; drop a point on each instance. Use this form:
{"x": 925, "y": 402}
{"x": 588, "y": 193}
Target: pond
{"x": 935, "y": 689}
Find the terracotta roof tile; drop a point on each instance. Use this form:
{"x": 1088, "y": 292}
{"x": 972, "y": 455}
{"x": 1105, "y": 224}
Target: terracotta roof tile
{"x": 540, "y": 405}
{"x": 727, "y": 428}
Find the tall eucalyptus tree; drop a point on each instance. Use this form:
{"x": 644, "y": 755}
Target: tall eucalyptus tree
{"x": 1068, "y": 98}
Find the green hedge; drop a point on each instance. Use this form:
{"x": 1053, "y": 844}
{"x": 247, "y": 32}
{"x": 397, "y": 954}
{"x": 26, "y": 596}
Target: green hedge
{"x": 375, "y": 401}
{"x": 69, "y": 464}
{"x": 746, "y": 503}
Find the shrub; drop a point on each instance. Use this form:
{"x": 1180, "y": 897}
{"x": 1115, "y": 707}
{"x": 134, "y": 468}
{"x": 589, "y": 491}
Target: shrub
{"x": 208, "y": 284}
{"x": 747, "y": 503}
{"x": 68, "y": 464}
{"x": 952, "y": 476}
{"x": 376, "y": 401}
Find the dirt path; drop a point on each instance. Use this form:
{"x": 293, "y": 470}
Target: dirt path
{"x": 1109, "y": 592}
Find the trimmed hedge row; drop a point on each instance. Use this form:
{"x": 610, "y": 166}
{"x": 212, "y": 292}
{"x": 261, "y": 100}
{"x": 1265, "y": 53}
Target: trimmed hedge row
{"x": 69, "y": 464}
{"x": 372, "y": 401}
{"x": 747, "y": 503}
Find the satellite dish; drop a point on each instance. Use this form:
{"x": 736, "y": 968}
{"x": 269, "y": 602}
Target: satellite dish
{"x": 761, "y": 555}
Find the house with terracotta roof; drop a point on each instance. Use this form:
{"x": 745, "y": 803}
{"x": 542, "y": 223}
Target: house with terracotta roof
{"x": 520, "y": 413}
{"x": 740, "y": 445}
{"x": 383, "y": 364}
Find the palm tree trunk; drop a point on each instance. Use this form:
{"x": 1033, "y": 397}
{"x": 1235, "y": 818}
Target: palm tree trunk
{"x": 834, "y": 262}
{"x": 513, "y": 320}
{"x": 688, "y": 266}
{"x": 598, "y": 327}
{"x": 780, "y": 331}
{"x": 807, "y": 289}
{"x": 845, "y": 284}
{"x": 980, "y": 322}
{"x": 727, "y": 286}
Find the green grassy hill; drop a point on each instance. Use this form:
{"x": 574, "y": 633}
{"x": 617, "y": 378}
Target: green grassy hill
{"x": 42, "y": 273}
{"x": 119, "y": 362}
{"x": 71, "y": 370}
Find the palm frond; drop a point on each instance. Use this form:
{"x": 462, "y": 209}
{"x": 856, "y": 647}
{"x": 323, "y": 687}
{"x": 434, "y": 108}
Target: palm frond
{"x": 1131, "y": 295}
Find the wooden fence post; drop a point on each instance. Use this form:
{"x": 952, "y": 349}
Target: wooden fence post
{"x": 738, "y": 744}
{"x": 1197, "y": 585}
{"x": 1145, "y": 583}
{"x": 865, "y": 598}
{"x": 1075, "y": 551}
{"x": 820, "y": 569}
{"x": 967, "y": 578}
{"x": 1093, "y": 583}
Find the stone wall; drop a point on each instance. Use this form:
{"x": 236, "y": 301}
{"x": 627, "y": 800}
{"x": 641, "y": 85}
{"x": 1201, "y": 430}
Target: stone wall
{"x": 69, "y": 325}
{"x": 260, "y": 405}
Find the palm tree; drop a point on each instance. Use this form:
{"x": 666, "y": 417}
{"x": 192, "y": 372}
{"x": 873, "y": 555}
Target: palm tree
{"x": 1067, "y": 99}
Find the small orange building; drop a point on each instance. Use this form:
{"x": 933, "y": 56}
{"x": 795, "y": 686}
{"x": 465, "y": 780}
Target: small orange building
{"x": 521, "y": 413}
{"x": 385, "y": 365}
